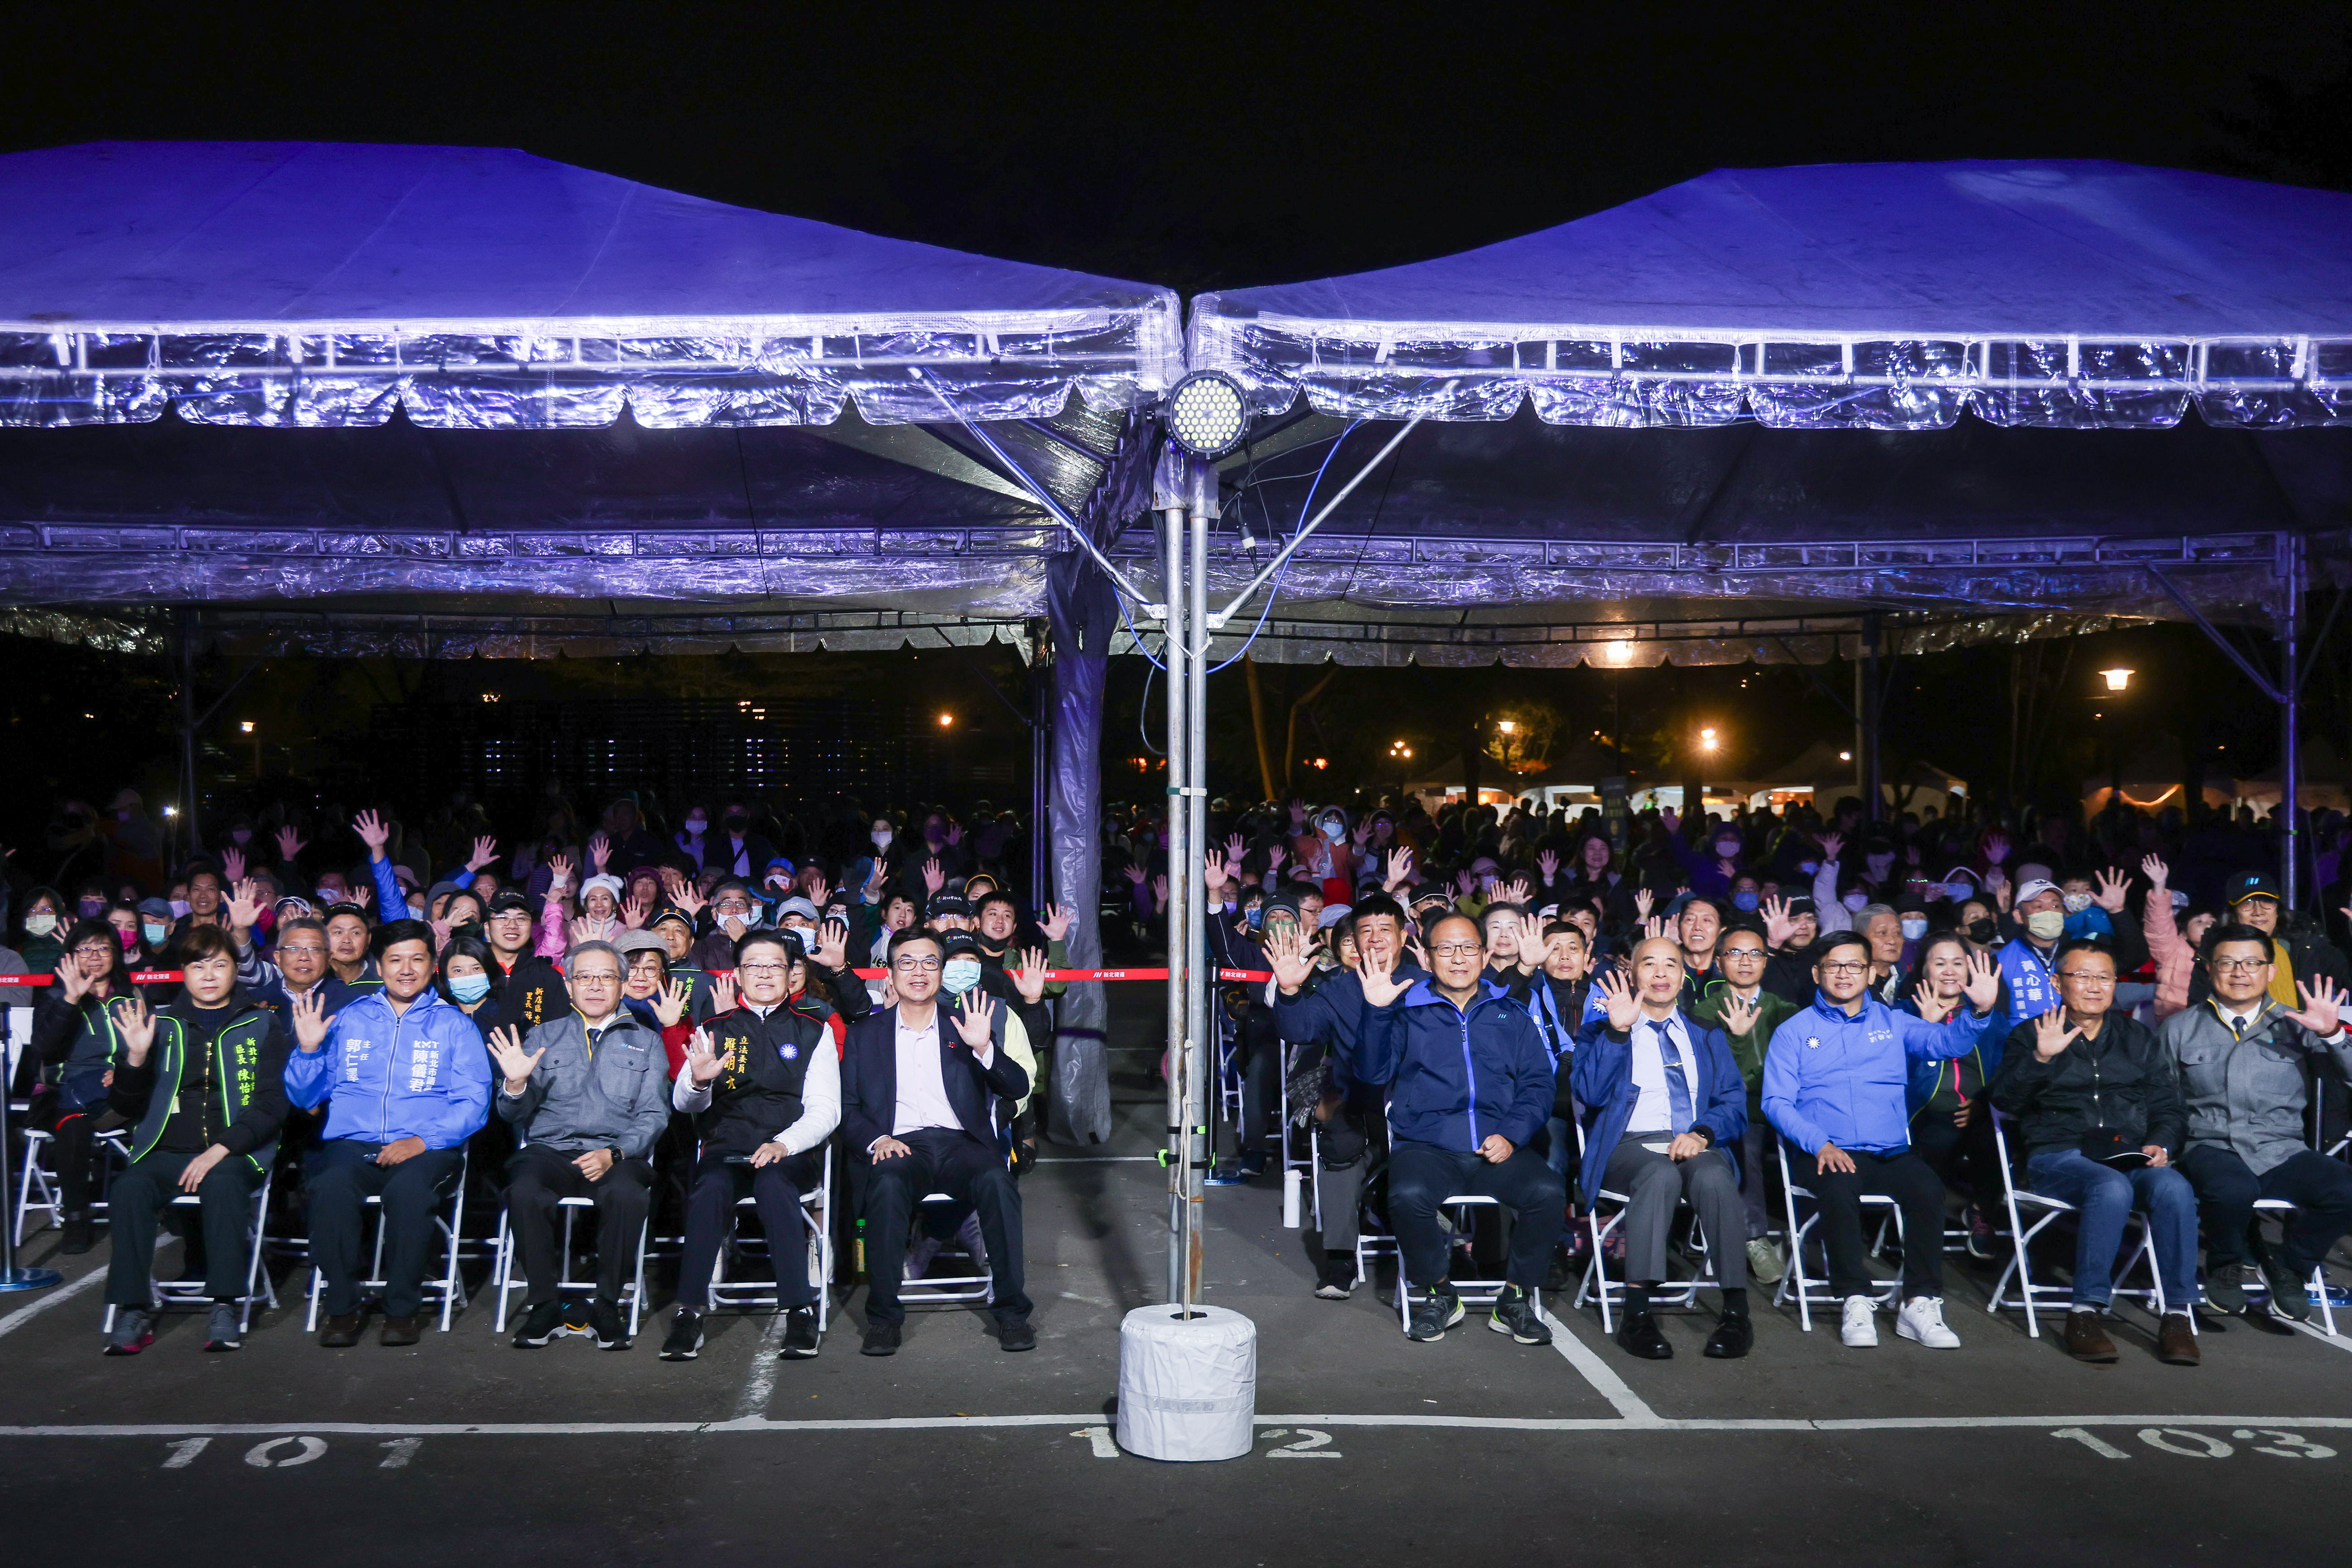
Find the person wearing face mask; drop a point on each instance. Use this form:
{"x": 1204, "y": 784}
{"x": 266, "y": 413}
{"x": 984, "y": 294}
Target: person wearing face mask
{"x": 693, "y": 837}
{"x": 40, "y": 939}
{"x": 1325, "y": 855}
{"x": 2302, "y": 955}
{"x": 1951, "y": 1126}
{"x": 918, "y": 1086}
{"x": 1710, "y": 872}
{"x": 2174, "y": 930}
{"x": 463, "y": 977}
{"x": 734, "y": 915}
{"x": 155, "y": 919}
{"x": 74, "y": 1032}
{"x": 589, "y": 1095}
{"x": 203, "y": 1080}
{"x": 738, "y": 850}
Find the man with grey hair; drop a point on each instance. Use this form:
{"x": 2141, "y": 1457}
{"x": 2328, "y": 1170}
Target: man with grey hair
{"x": 588, "y": 1093}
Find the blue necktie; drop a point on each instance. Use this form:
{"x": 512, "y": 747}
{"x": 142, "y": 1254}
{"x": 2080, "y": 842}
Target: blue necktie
{"x": 1678, "y": 1094}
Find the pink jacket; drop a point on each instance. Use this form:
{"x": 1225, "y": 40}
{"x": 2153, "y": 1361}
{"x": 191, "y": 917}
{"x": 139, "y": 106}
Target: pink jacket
{"x": 2176, "y": 960}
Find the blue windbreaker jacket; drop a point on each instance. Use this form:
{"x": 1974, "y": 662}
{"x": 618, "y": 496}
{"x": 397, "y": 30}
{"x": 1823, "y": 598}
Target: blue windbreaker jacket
{"x": 1604, "y": 1079}
{"x": 1829, "y": 1078}
{"x": 1454, "y": 1077}
{"x": 423, "y": 1073}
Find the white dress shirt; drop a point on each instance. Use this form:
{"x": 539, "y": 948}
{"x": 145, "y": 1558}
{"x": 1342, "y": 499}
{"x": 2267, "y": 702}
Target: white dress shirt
{"x": 820, "y": 1094}
{"x": 922, "y": 1093}
{"x": 1652, "y": 1105}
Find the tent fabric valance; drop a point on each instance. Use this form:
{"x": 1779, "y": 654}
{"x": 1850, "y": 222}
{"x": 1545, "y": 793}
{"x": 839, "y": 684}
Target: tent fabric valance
{"x": 2071, "y": 294}
{"x": 323, "y": 285}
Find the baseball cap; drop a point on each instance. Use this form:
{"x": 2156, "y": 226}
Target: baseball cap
{"x": 797, "y": 906}
{"x": 949, "y": 903}
{"x": 2036, "y": 888}
{"x": 629, "y": 942}
{"x": 507, "y": 903}
{"x": 2251, "y": 885}
{"x": 668, "y": 912}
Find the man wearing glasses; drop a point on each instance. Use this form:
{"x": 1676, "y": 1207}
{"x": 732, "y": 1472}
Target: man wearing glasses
{"x": 2096, "y": 1106}
{"x": 918, "y": 1084}
{"x": 1470, "y": 1086}
{"x": 1740, "y": 997}
{"x": 1834, "y": 1086}
{"x": 2242, "y": 1059}
{"x": 762, "y": 1081}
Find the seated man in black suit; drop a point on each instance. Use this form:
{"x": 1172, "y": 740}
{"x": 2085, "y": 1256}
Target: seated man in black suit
{"x": 917, "y": 1083}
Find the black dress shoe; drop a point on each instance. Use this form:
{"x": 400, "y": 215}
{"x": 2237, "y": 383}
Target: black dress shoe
{"x": 1731, "y": 1339}
{"x": 881, "y": 1339}
{"x": 1639, "y": 1335}
{"x": 341, "y": 1331}
{"x": 400, "y": 1331}
{"x": 1014, "y": 1333}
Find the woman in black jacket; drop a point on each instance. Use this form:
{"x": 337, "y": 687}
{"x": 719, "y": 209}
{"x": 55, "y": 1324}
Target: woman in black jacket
{"x": 73, "y": 1032}
{"x": 2100, "y": 1113}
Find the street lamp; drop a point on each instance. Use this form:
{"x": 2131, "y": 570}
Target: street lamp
{"x": 1505, "y": 726}
{"x": 1707, "y": 740}
{"x": 2117, "y": 679}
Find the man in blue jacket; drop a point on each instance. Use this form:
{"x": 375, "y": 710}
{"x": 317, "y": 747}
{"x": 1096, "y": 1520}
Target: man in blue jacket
{"x": 1470, "y": 1086}
{"x": 1835, "y": 1084}
{"x": 1667, "y": 1108}
{"x": 408, "y": 1081}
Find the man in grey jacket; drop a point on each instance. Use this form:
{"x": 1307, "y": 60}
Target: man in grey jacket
{"x": 589, "y": 1093}
{"x": 2242, "y": 1059}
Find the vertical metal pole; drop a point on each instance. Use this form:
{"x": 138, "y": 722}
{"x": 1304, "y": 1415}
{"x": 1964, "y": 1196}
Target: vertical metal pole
{"x": 1200, "y": 1060}
{"x": 184, "y": 625}
{"x": 2290, "y": 721}
{"x": 1041, "y": 765}
{"x": 1178, "y": 681}
{"x": 1866, "y": 714}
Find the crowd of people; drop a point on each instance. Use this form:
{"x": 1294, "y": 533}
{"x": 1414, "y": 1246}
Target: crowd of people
{"x": 1687, "y": 1026}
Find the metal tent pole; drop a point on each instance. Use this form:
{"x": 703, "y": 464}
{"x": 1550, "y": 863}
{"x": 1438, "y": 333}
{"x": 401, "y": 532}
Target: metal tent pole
{"x": 1199, "y": 1059}
{"x": 184, "y": 625}
{"x": 2290, "y": 722}
{"x": 1866, "y": 698}
{"x": 1179, "y": 686}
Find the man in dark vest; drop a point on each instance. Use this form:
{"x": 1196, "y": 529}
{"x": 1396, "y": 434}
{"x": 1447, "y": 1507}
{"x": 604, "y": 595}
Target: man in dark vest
{"x": 918, "y": 1086}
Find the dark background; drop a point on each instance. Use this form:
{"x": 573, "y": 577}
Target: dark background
{"x": 1200, "y": 147}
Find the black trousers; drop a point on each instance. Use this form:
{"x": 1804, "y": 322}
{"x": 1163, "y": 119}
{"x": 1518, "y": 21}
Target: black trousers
{"x": 2321, "y": 1189}
{"x": 1421, "y": 1176}
{"x": 1961, "y": 1154}
{"x": 537, "y": 1177}
{"x": 1916, "y": 1190}
{"x": 136, "y": 1208}
{"x": 72, "y": 1156}
{"x": 964, "y": 1167}
{"x": 719, "y": 1182}
{"x": 341, "y": 1177}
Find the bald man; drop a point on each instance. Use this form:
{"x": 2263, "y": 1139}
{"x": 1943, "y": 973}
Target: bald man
{"x": 1665, "y": 1109}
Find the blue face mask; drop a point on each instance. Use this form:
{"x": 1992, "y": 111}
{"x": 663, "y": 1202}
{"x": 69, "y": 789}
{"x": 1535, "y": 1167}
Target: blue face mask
{"x": 1744, "y": 902}
{"x": 469, "y": 989}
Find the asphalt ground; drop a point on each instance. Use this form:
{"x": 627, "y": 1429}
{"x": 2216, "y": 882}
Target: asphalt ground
{"x": 1370, "y": 1449}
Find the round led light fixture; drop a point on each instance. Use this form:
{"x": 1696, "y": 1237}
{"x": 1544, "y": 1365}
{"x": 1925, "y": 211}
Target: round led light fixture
{"x": 1207, "y": 414}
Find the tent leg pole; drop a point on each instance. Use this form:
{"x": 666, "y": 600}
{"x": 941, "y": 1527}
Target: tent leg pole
{"x": 1177, "y": 683}
{"x": 2290, "y": 722}
{"x": 184, "y": 625}
{"x": 1866, "y": 707}
{"x": 1040, "y": 764}
{"x": 1200, "y": 1058}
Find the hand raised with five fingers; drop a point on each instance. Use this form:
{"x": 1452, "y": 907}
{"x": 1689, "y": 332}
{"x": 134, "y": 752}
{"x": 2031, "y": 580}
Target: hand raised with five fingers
{"x": 634, "y": 913}
{"x": 934, "y": 878}
{"x": 1618, "y": 996}
{"x": 832, "y": 948}
{"x": 600, "y": 851}
{"x": 1029, "y": 979}
{"x": 1739, "y": 1014}
{"x": 1777, "y": 927}
{"x": 486, "y": 851}
{"x": 2323, "y": 1006}
{"x": 2051, "y": 1034}
{"x": 245, "y": 909}
{"x": 972, "y": 1019}
{"x": 1056, "y": 923}
{"x": 506, "y": 1049}
{"x": 233, "y": 865}
{"x": 289, "y": 843}
{"x": 372, "y": 832}
{"x": 309, "y": 1018}
{"x": 2156, "y": 873}
{"x": 1983, "y": 989}
{"x": 1547, "y": 864}
{"x": 134, "y": 1026}
{"x": 2112, "y": 887}
{"x": 1831, "y": 845}
{"x": 669, "y": 1002}
{"x": 1212, "y": 872}
{"x": 722, "y": 994}
{"x": 702, "y": 1057}
{"x": 1285, "y": 951}
{"x": 1642, "y": 899}
{"x": 1376, "y": 975}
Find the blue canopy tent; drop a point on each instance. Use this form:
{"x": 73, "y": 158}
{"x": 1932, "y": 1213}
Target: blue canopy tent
{"x": 1777, "y": 414}
{"x": 463, "y": 400}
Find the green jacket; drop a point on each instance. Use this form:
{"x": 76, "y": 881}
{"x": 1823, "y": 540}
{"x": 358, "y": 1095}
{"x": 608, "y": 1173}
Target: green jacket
{"x": 1746, "y": 1050}
{"x": 248, "y": 1074}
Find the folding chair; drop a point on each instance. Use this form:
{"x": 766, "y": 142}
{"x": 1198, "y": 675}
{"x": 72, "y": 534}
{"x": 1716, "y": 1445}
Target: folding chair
{"x": 39, "y": 1190}
{"x": 1795, "y": 1283}
{"x": 976, "y": 1284}
{"x": 2283, "y": 1210}
{"x": 1296, "y": 1147}
{"x": 1598, "y": 1287}
{"x": 502, "y": 1277}
{"x": 188, "y": 1295}
{"x": 1461, "y": 1210}
{"x": 747, "y": 1293}
{"x": 449, "y": 1289}
{"x": 2021, "y": 1238}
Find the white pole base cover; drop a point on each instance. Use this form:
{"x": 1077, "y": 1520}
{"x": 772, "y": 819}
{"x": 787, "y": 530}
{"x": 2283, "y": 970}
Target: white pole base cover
{"x": 1187, "y": 1390}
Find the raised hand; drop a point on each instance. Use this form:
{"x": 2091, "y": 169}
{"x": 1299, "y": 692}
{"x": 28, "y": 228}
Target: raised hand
{"x": 722, "y": 994}
{"x": 2156, "y": 873}
{"x": 363, "y": 895}
{"x": 134, "y": 1026}
{"x": 1057, "y": 924}
{"x": 245, "y": 909}
{"x": 1273, "y": 858}
{"x": 688, "y": 900}
{"x": 600, "y": 851}
{"x": 972, "y": 1021}
{"x": 290, "y": 844}
{"x": 1670, "y": 820}
{"x": 955, "y": 832}
{"x": 702, "y": 1057}
{"x": 1983, "y": 988}
{"x": 934, "y": 878}
{"x": 634, "y": 913}
{"x": 1235, "y": 847}
{"x": 587, "y": 928}
{"x": 1160, "y": 892}
{"x": 817, "y": 889}
{"x": 76, "y": 985}
{"x": 1777, "y": 927}
{"x": 833, "y": 945}
{"x": 1996, "y": 849}
{"x": 1933, "y": 1008}
{"x": 506, "y": 1049}
{"x": 486, "y": 851}
{"x": 1655, "y": 926}
{"x": 2112, "y": 886}
{"x": 1642, "y": 899}
{"x": 1617, "y": 995}
{"x": 2051, "y": 1034}
{"x": 1285, "y": 951}
{"x": 1833, "y": 845}
{"x": 559, "y": 871}
{"x": 1297, "y": 814}
{"x": 1400, "y": 870}
{"x": 1212, "y": 872}
{"x": 669, "y": 1002}
{"x": 372, "y": 832}
{"x": 1029, "y": 979}
{"x": 233, "y": 865}
{"x": 1547, "y": 864}
{"x": 1740, "y": 1013}
{"x": 1363, "y": 834}
{"x": 1467, "y": 880}
{"x": 309, "y": 1010}
{"x": 1514, "y": 891}
{"x": 1376, "y": 974}
{"x": 1531, "y": 941}
{"x": 2323, "y": 1006}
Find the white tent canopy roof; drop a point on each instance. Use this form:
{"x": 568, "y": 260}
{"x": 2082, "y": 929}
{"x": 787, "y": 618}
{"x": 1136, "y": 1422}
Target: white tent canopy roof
{"x": 319, "y": 284}
{"x": 1882, "y": 295}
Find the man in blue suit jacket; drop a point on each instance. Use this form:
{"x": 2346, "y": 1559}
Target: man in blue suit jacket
{"x": 1667, "y": 1109}
{"x": 919, "y": 1087}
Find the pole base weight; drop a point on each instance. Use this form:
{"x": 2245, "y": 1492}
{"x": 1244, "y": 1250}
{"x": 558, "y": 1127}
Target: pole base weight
{"x": 29, "y": 1279}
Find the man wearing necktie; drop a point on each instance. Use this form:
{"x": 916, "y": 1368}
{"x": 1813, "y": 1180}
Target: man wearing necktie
{"x": 1666, "y": 1108}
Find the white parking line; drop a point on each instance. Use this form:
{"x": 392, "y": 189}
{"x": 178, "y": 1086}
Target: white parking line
{"x": 2314, "y": 1330}
{"x": 1603, "y": 1377}
{"x": 40, "y": 1304}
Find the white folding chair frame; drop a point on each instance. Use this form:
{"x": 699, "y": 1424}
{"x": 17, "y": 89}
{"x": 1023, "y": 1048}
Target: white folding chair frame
{"x": 504, "y": 1283}
{"x": 1795, "y": 1283}
{"x": 447, "y": 1291}
{"x": 817, "y": 1211}
{"x": 189, "y": 1295}
{"x": 947, "y": 1290}
{"x": 2282, "y": 1209}
{"x": 1599, "y": 1287}
{"x": 51, "y": 1200}
{"x": 2021, "y": 1238}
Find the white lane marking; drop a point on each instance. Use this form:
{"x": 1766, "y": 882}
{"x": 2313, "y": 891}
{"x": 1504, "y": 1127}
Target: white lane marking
{"x": 941, "y": 1423}
{"x": 1099, "y": 1439}
{"x": 2321, "y": 1335}
{"x": 2105, "y": 1451}
{"x": 761, "y": 1383}
{"x": 398, "y": 1452}
{"x": 305, "y": 1450}
{"x": 35, "y": 1307}
{"x": 1597, "y": 1372}
{"x": 185, "y": 1452}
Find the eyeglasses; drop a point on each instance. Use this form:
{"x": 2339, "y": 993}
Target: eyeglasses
{"x": 1845, "y": 968}
{"x": 1455, "y": 949}
{"x": 913, "y": 964}
{"x": 2239, "y": 965}
{"x": 2086, "y": 978}
{"x": 761, "y": 968}
{"x": 1729, "y": 953}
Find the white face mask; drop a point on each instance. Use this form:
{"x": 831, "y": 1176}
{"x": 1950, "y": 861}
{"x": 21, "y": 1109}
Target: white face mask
{"x": 1854, "y": 901}
{"x": 2075, "y": 903}
{"x": 1914, "y": 929}
{"x": 697, "y": 826}
{"x": 881, "y": 837}
{"x": 960, "y": 975}
{"x": 1335, "y": 831}
{"x": 156, "y": 933}
{"x": 40, "y": 923}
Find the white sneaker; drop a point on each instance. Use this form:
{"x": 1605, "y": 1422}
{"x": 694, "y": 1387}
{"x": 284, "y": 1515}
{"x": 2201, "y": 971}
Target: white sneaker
{"x": 1922, "y": 1319}
{"x": 1860, "y": 1329}
{"x": 1765, "y": 1262}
